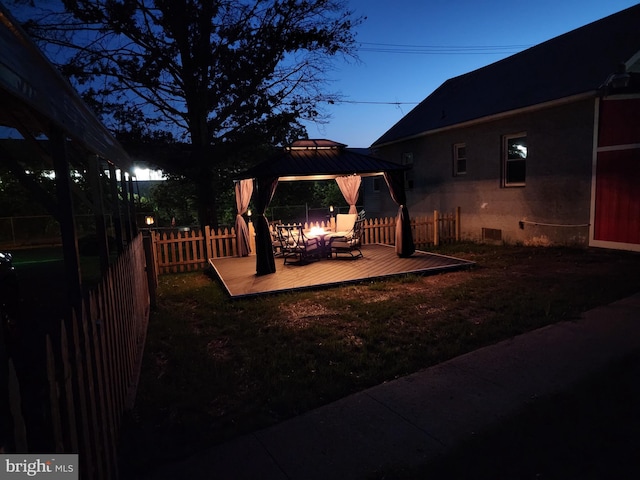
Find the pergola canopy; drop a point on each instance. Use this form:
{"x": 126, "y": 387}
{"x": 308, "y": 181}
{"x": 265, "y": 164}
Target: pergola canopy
{"x": 319, "y": 160}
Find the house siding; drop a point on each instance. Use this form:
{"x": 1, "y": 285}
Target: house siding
{"x": 552, "y": 208}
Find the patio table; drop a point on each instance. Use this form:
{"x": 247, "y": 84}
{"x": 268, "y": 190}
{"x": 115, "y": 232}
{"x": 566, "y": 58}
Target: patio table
{"x": 321, "y": 235}
{"x": 294, "y": 242}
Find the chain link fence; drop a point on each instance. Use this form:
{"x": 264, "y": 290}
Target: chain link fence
{"x": 17, "y": 232}
{"x": 303, "y": 213}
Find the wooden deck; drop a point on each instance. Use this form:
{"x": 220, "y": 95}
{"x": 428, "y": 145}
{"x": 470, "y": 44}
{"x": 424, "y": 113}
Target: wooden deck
{"x": 238, "y": 274}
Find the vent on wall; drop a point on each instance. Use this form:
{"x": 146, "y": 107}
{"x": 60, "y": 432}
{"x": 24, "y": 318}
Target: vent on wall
{"x": 492, "y": 234}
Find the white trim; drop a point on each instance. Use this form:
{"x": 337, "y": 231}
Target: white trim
{"x": 634, "y": 58}
{"x": 634, "y": 247}
{"x": 505, "y": 154}
{"x": 495, "y": 116}
{"x": 616, "y": 148}
{"x": 457, "y": 158}
{"x": 594, "y": 166}
{"x": 622, "y": 96}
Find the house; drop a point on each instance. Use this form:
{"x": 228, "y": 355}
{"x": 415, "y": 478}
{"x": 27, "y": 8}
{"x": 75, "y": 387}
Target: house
{"x": 540, "y": 148}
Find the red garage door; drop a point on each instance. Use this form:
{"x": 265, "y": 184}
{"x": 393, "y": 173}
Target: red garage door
{"x": 617, "y": 193}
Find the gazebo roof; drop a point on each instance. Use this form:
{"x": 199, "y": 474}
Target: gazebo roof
{"x": 319, "y": 159}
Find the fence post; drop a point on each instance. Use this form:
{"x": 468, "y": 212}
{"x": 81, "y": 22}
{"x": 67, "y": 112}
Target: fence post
{"x": 207, "y": 251}
{"x": 436, "y": 233}
{"x": 152, "y": 267}
{"x": 457, "y": 224}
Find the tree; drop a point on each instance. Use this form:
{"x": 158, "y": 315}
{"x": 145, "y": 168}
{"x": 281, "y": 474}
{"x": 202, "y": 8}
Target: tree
{"x": 224, "y": 76}
{"x": 173, "y": 200}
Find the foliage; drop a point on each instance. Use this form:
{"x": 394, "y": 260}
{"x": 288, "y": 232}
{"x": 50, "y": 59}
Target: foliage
{"x": 327, "y": 193}
{"x": 174, "y": 202}
{"x": 291, "y": 196}
{"x": 15, "y": 199}
{"x": 27, "y": 181}
{"x": 316, "y": 193}
{"x": 224, "y": 77}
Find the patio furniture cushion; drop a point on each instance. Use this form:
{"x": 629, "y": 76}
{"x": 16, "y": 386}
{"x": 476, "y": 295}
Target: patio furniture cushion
{"x": 344, "y": 224}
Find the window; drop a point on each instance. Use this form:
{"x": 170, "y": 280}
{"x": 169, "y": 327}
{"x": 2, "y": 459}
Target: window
{"x": 407, "y": 159}
{"x": 376, "y": 184}
{"x": 459, "y": 159}
{"x": 514, "y": 154}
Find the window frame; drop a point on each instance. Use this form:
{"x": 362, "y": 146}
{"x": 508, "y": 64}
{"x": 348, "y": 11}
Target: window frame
{"x": 506, "y": 160}
{"x": 457, "y": 171}
{"x": 407, "y": 159}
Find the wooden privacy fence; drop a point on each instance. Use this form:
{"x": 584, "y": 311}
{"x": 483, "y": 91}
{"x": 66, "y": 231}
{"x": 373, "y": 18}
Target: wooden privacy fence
{"x": 182, "y": 251}
{"x": 92, "y": 368}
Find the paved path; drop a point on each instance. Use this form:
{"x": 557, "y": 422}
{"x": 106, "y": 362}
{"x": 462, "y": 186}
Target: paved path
{"x": 409, "y": 421}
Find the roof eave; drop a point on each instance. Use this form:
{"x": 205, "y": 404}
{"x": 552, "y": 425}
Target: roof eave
{"x": 493, "y": 117}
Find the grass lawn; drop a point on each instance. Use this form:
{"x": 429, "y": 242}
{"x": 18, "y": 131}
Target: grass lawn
{"x": 215, "y": 368}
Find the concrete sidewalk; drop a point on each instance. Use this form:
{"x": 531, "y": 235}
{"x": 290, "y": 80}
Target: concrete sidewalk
{"x": 410, "y": 421}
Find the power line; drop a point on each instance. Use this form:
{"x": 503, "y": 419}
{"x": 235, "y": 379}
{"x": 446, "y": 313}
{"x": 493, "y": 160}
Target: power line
{"x": 376, "y": 103}
{"x": 441, "y": 49}
{"x": 431, "y": 50}
{"x": 465, "y": 47}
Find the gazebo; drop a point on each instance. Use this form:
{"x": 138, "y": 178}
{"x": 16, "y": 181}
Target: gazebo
{"x": 314, "y": 160}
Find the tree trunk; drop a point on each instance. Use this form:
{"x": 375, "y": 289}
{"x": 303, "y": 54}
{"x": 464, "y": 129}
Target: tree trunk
{"x": 206, "y": 197}
{"x": 205, "y": 186}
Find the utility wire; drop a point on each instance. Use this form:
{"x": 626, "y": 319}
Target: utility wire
{"x": 377, "y": 103}
{"x": 431, "y": 50}
{"x": 441, "y": 49}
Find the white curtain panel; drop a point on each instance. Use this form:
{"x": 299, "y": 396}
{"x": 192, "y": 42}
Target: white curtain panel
{"x": 244, "y": 189}
{"x": 350, "y": 188}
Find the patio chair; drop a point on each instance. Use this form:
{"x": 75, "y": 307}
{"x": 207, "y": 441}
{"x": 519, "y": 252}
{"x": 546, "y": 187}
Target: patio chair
{"x": 349, "y": 243}
{"x": 296, "y": 245}
{"x": 276, "y": 243}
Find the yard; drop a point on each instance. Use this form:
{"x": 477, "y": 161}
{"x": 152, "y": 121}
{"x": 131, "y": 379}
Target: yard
{"x": 216, "y": 368}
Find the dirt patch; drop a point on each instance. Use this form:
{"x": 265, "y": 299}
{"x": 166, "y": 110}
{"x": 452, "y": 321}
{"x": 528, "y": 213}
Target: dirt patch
{"x": 300, "y": 315}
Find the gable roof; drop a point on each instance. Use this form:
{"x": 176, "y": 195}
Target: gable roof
{"x": 319, "y": 160}
{"x": 578, "y": 62}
